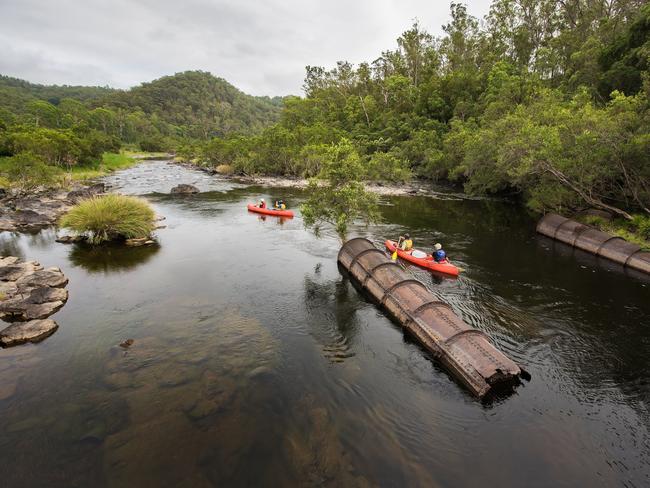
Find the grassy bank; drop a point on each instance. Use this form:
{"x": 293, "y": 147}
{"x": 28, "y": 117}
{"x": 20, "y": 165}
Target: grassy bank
{"x": 110, "y": 162}
{"x": 27, "y": 174}
{"x": 636, "y": 231}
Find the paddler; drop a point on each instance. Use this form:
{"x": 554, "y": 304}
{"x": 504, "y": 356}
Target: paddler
{"x": 407, "y": 243}
{"x": 282, "y": 205}
{"x": 439, "y": 255}
{"x": 262, "y": 203}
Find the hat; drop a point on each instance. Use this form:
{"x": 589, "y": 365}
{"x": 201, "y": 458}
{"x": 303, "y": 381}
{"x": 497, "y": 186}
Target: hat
{"x": 261, "y": 199}
{"x": 408, "y": 236}
{"x": 438, "y": 246}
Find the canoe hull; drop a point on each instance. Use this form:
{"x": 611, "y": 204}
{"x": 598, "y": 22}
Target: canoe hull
{"x": 428, "y": 262}
{"x": 270, "y": 211}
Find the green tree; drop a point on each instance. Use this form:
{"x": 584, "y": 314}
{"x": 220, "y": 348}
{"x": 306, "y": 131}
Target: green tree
{"x": 338, "y": 195}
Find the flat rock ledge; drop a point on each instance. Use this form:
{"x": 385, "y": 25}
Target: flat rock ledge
{"x": 32, "y": 331}
{"x": 29, "y": 294}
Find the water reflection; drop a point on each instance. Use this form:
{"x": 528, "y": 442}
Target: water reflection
{"x": 331, "y": 315}
{"x": 10, "y": 244}
{"x": 110, "y": 257}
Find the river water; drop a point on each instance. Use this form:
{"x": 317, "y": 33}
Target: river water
{"x": 255, "y": 363}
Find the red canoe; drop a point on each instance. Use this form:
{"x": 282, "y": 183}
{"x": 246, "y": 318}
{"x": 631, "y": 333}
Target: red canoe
{"x": 270, "y": 211}
{"x": 425, "y": 262}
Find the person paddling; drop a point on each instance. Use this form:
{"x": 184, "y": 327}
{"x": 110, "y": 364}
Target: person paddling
{"x": 439, "y": 255}
{"x": 407, "y": 243}
{"x": 262, "y": 203}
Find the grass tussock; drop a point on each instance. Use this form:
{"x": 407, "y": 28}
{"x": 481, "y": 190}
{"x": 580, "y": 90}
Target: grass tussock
{"x": 111, "y": 217}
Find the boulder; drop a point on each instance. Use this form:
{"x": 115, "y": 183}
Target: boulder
{"x": 184, "y": 189}
{"x": 75, "y": 196}
{"x": 32, "y": 331}
{"x": 16, "y": 271}
{"x": 47, "y": 294}
{"x": 45, "y": 277}
{"x": 71, "y": 239}
{"x": 21, "y": 309}
{"x": 30, "y": 217}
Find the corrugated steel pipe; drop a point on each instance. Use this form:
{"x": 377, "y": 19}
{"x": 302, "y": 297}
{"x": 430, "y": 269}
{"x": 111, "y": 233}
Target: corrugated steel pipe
{"x": 466, "y": 352}
{"x": 594, "y": 241}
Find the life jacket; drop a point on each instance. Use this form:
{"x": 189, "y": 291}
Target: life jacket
{"x": 407, "y": 245}
{"x": 283, "y": 206}
{"x": 262, "y": 204}
{"x": 440, "y": 256}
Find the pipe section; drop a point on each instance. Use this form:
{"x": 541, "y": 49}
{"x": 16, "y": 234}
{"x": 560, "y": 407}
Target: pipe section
{"x": 594, "y": 241}
{"x": 466, "y": 352}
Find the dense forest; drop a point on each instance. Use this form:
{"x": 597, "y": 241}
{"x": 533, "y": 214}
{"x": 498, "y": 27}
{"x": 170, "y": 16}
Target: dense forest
{"x": 546, "y": 101}
{"x": 46, "y": 129}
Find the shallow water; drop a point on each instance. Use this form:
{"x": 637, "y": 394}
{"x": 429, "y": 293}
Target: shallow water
{"x": 255, "y": 363}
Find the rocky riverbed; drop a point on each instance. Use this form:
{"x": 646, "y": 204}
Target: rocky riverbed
{"x": 40, "y": 208}
{"x": 415, "y": 187}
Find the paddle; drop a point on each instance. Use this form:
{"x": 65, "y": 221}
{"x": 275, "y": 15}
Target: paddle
{"x": 394, "y": 255}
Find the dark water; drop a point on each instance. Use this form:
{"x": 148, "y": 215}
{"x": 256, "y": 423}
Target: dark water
{"x": 255, "y": 363}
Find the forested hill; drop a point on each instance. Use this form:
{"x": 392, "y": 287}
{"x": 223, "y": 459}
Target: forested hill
{"x": 192, "y": 104}
{"x": 15, "y": 94}
{"x": 199, "y": 103}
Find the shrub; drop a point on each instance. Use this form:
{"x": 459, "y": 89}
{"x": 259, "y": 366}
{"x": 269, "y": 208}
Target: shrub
{"x": 152, "y": 144}
{"x": 641, "y": 224}
{"x": 225, "y": 169}
{"x": 27, "y": 171}
{"x": 111, "y": 217}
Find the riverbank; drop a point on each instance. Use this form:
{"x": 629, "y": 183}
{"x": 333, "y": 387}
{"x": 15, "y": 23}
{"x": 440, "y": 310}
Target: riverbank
{"x": 414, "y": 187}
{"x": 28, "y": 210}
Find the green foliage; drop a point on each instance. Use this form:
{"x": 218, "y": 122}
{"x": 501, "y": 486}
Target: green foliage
{"x": 641, "y": 225}
{"x": 338, "y": 195}
{"x": 27, "y": 171}
{"x": 198, "y": 104}
{"x": 111, "y": 217}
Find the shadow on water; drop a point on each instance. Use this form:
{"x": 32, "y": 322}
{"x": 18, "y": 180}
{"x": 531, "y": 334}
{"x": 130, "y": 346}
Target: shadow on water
{"x": 111, "y": 257}
{"x": 331, "y": 315}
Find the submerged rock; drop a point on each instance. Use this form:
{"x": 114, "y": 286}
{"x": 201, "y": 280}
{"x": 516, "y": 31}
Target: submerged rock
{"x": 32, "y": 331}
{"x": 184, "y": 188}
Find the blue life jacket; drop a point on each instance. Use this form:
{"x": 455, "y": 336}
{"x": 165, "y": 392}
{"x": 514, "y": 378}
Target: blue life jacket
{"x": 439, "y": 256}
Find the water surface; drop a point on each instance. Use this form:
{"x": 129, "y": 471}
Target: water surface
{"x": 255, "y": 363}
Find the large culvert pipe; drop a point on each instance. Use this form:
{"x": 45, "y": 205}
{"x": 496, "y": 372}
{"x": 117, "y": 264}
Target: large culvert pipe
{"x": 466, "y": 352}
{"x": 594, "y": 241}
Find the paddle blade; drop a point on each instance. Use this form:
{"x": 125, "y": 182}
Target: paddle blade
{"x": 394, "y": 255}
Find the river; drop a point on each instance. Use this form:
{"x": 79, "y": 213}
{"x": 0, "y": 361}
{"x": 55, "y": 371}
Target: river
{"x": 256, "y": 363}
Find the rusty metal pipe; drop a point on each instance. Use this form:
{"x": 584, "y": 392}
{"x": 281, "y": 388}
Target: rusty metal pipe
{"x": 594, "y": 241}
{"x": 466, "y": 352}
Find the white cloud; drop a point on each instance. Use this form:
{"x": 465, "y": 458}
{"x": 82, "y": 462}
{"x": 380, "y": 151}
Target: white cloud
{"x": 260, "y": 47}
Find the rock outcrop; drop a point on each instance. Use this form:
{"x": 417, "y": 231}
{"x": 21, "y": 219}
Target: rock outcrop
{"x": 40, "y": 209}
{"x": 29, "y": 294}
{"x": 184, "y": 189}
{"x": 32, "y": 331}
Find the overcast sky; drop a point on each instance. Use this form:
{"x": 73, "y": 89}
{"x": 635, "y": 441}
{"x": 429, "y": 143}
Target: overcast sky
{"x": 262, "y": 47}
